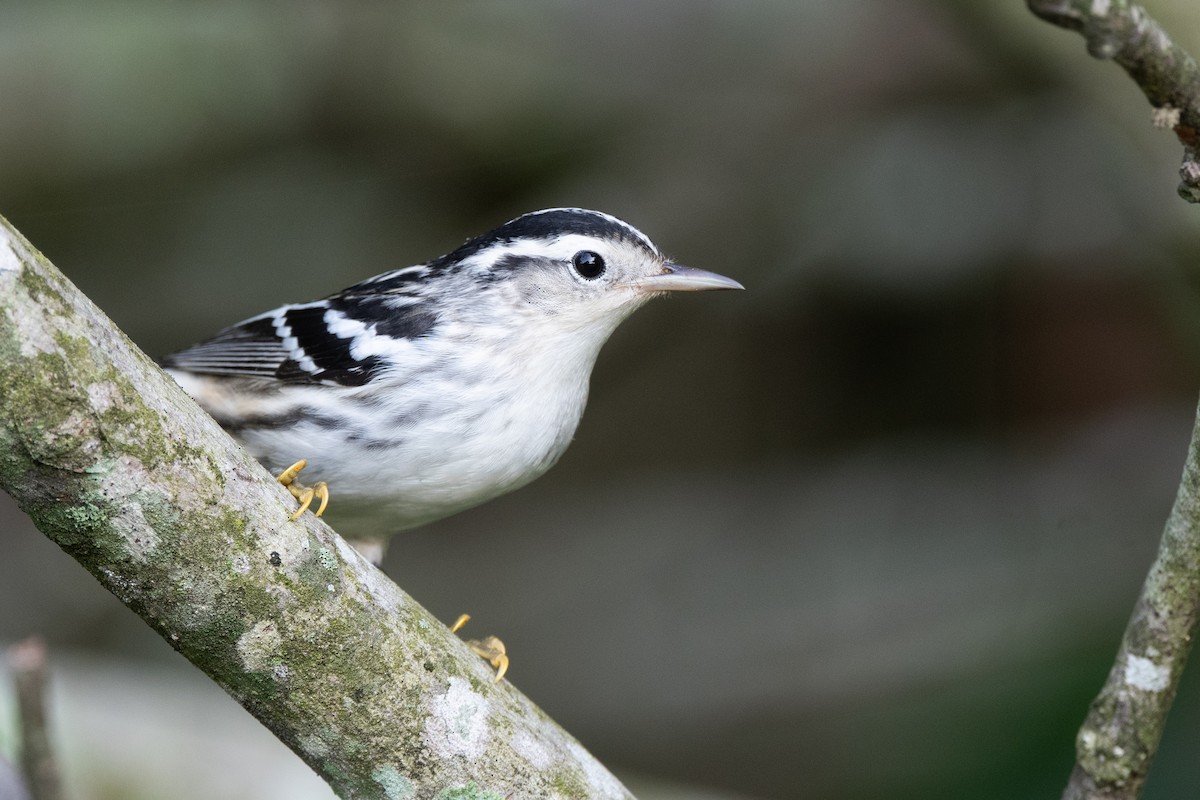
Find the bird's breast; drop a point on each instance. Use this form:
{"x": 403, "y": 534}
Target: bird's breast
{"x": 433, "y": 445}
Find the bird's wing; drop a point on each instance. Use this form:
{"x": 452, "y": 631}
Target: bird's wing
{"x": 345, "y": 339}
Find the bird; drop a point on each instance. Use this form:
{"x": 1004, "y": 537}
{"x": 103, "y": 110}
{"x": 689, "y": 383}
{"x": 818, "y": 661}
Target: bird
{"x": 429, "y": 389}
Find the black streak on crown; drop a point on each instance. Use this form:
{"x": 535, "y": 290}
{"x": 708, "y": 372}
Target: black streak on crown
{"x": 544, "y": 225}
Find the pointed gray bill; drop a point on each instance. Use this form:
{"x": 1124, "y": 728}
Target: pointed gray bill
{"x": 678, "y": 278}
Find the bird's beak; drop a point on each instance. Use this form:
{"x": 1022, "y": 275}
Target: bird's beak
{"x": 678, "y": 278}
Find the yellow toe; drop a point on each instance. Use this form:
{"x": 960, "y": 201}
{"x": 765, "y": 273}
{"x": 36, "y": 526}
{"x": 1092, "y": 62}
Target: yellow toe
{"x": 491, "y": 649}
{"x": 289, "y": 475}
{"x": 304, "y": 494}
{"x": 305, "y": 497}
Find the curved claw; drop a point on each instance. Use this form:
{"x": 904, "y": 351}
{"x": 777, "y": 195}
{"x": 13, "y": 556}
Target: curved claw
{"x": 500, "y": 662}
{"x": 321, "y": 491}
{"x": 491, "y": 649}
{"x": 305, "y": 496}
{"x": 502, "y": 666}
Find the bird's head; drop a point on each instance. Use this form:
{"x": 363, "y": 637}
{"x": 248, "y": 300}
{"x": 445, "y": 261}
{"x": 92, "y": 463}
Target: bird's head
{"x": 581, "y": 268}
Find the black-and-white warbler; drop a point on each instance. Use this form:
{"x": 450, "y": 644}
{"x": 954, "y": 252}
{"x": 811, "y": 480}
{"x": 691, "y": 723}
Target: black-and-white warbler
{"x": 427, "y": 390}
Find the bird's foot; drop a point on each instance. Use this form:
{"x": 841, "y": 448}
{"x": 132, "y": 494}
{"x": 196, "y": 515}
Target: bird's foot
{"x": 305, "y": 494}
{"x": 490, "y": 648}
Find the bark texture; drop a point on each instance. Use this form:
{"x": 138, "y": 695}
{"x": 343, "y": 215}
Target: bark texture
{"x": 1118, "y": 739}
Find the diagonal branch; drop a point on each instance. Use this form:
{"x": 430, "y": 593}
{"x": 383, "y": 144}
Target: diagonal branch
{"x": 1165, "y": 72}
{"x": 120, "y": 468}
{"x": 1118, "y": 739}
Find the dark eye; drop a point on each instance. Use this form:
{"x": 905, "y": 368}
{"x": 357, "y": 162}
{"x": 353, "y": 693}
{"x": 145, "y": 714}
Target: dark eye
{"x": 589, "y": 265}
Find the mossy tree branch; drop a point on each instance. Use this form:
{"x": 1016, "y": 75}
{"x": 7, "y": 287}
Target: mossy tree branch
{"x": 124, "y": 472}
{"x": 1123, "y": 728}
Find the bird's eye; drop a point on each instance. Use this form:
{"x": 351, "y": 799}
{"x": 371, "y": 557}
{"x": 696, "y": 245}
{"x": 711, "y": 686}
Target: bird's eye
{"x": 589, "y": 265}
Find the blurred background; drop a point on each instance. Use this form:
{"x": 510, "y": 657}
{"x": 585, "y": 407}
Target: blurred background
{"x": 871, "y": 528}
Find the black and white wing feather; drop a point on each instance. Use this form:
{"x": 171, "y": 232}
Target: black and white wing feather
{"x": 345, "y": 339}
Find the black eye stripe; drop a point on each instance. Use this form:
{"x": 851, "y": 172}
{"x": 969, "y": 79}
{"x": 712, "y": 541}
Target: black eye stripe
{"x": 588, "y": 264}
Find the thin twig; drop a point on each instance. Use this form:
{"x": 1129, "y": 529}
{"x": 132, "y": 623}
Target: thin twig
{"x": 1123, "y": 728}
{"x": 27, "y": 660}
{"x": 1118, "y": 739}
{"x": 1167, "y": 74}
